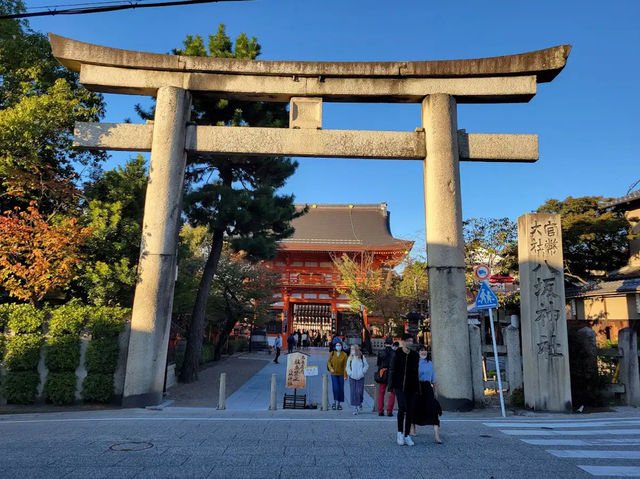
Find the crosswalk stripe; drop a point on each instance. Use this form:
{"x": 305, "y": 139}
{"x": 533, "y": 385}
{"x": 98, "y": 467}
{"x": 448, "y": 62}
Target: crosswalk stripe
{"x": 523, "y": 425}
{"x": 557, "y": 432}
{"x": 594, "y": 454}
{"x": 583, "y": 442}
{"x": 620, "y": 471}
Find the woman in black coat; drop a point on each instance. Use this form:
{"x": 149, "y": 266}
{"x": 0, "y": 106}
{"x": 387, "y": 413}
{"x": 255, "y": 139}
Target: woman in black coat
{"x": 403, "y": 378}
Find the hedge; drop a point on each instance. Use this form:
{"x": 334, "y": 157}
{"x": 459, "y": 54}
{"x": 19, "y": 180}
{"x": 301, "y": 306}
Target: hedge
{"x": 68, "y": 319}
{"x": 102, "y": 355}
{"x": 105, "y": 322}
{"x": 60, "y": 388}
{"x": 62, "y": 353}
{"x": 23, "y": 352}
{"x": 98, "y": 387}
{"x": 25, "y": 319}
{"x": 21, "y": 387}
{"x": 62, "y": 350}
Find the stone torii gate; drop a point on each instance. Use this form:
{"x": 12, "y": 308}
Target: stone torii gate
{"x": 438, "y": 85}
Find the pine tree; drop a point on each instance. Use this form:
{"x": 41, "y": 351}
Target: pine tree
{"x": 236, "y": 198}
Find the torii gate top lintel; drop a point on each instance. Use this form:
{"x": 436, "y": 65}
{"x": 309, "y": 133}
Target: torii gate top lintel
{"x": 96, "y": 61}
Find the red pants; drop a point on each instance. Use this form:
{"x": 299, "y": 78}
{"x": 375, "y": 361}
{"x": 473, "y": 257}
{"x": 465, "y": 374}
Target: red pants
{"x": 392, "y": 398}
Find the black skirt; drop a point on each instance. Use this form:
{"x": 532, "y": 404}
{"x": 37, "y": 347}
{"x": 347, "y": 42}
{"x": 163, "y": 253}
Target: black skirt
{"x": 427, "y": 407}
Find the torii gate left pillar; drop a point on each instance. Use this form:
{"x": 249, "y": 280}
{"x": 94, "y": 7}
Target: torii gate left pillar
{"x": 438, "y": 85}
{"x": 153, "y": 299}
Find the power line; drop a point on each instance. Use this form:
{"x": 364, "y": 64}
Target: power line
{"x": 109, "y": 8}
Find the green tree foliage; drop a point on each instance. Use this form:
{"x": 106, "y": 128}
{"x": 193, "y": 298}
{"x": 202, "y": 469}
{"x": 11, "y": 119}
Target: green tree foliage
{"x": 241, "y": 292}
{"x": 233, "y": 197}
{"x": 377, "y": 287}
{"x": 594, "y": 240}
{"x": 490, "y": 241}
{"x": 113, "y": 210}
{"x": 39, "y": 102}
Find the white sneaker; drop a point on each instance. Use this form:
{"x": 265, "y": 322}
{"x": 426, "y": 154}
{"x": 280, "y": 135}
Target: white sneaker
{"x": 355, "y": 411}
{"x": 400, "y": 439}
{"x": 408, "y": 441}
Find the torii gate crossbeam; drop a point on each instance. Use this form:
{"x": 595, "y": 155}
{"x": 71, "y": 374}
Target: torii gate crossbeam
{"x": 438, "y": 85}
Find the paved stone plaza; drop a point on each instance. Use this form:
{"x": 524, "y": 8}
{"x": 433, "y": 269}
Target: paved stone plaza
{"x": 199, "y": 442}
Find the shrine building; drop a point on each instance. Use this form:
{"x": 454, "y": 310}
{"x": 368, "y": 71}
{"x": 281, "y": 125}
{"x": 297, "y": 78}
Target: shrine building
{"x": 308, "y": 298}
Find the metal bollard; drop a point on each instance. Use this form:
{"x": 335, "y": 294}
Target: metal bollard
{"x": 272, "y": 406}
{"x": 325, "y": 392}
{"x": 222, "y": 395}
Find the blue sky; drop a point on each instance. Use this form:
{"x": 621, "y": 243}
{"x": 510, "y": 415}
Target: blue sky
{"x": 587, "y": 118}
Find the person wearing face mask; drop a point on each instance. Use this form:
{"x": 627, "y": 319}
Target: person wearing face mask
{"x": 382, "y": 376}
{"x": 337, "y": 366}
{"x": 428, "y": 409}
{"x": 357, "y": 367}
{"x": 403, "y": 378}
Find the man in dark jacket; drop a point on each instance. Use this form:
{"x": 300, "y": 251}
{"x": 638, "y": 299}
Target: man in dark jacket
{"x": 403, "y": 377}
{"x": 382, "y": 377}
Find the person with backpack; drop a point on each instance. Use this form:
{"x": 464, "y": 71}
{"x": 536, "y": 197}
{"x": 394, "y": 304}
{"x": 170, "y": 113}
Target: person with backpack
{"x": 337, "y": 366}
{"x": 382, "y": 377}
{"x": 357, "y": 367}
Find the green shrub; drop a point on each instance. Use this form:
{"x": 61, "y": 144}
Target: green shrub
{"x": 106, "y": 322}
{"x": 4, "y": 316}
{"x": 21, "y": 387}
{"x": 25, "y": 319}
{"x": 208, "y": 353}
{"x": 102, "y": 355}
{"x": 3, "y": 344}
{"x": 60, "y": 388}
{"x": 23, "y": 352}
{"x": 98, "y": 387}
{"x": 517, "y": 398}
{"x": 67, "y": 319}
{"x": 62, "y": 353}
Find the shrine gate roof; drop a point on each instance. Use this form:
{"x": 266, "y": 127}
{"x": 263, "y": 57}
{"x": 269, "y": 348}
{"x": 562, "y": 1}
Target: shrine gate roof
{"x": 344, "y": 228}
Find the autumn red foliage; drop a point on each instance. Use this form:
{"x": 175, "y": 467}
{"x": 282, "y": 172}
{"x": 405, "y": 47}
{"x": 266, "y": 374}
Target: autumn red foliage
{"x": 38, "y": 254}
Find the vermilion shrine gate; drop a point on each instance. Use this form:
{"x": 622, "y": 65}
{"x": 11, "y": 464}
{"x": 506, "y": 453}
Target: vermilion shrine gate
{"x": 438, "y": 85}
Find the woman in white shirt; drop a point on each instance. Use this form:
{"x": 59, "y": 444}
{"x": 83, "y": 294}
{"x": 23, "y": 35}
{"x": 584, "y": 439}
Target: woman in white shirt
{"x": 357, "y": 367}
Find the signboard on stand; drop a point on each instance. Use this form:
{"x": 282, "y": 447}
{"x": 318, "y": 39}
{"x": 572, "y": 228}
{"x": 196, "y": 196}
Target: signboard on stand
{"x": 296, "y": 363}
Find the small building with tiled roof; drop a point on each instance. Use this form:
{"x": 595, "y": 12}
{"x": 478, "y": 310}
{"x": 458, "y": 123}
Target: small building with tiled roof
{"x": 614, "y": 303}
{"x": 309, "y": 298}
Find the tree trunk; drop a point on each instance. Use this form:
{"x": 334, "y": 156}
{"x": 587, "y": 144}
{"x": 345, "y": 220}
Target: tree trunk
{"x": 230, "y": 322}
{"x": 193, "y": 350}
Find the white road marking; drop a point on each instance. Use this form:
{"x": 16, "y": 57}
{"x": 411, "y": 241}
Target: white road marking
{"x": 619, "y": 471}
{"x": 555, "y": 442}
{"x": 628, "y": 422}
{"x": 583, "y": 442}
{"x": 594, "y": 454}
{"x": 557, "y": 432}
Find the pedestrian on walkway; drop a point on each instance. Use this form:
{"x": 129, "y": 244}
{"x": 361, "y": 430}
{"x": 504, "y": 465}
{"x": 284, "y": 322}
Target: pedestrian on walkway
{"x": 291, "y": 342}
{"x": 382, "y": 377}
{"x": 403, "y": 377}
{"x": 335, "y": 340}
{"x": 305, "y": 340}
{"x": 277, "y": 344}
{"x": 427, "y": 409}
{"x": 337, "y": 366}
{"x": 357, "y": 367}
{"x": 299, "y": 340}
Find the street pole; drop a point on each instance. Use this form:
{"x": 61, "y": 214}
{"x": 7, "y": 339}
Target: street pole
{"x": 495, "y": 356}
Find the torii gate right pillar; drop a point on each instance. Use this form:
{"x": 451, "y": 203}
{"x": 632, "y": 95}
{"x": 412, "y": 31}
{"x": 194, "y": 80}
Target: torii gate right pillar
{"x": 445, "y": 254}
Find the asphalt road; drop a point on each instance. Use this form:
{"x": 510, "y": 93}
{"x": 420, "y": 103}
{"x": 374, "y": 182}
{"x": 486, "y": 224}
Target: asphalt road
{"x": 189, "y": 442}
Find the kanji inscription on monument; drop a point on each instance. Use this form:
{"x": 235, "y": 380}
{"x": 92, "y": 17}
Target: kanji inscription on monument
{"x": 542, "y": 303}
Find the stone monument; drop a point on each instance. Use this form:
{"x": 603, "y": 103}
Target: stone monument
{"x": 545, "y": 349}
